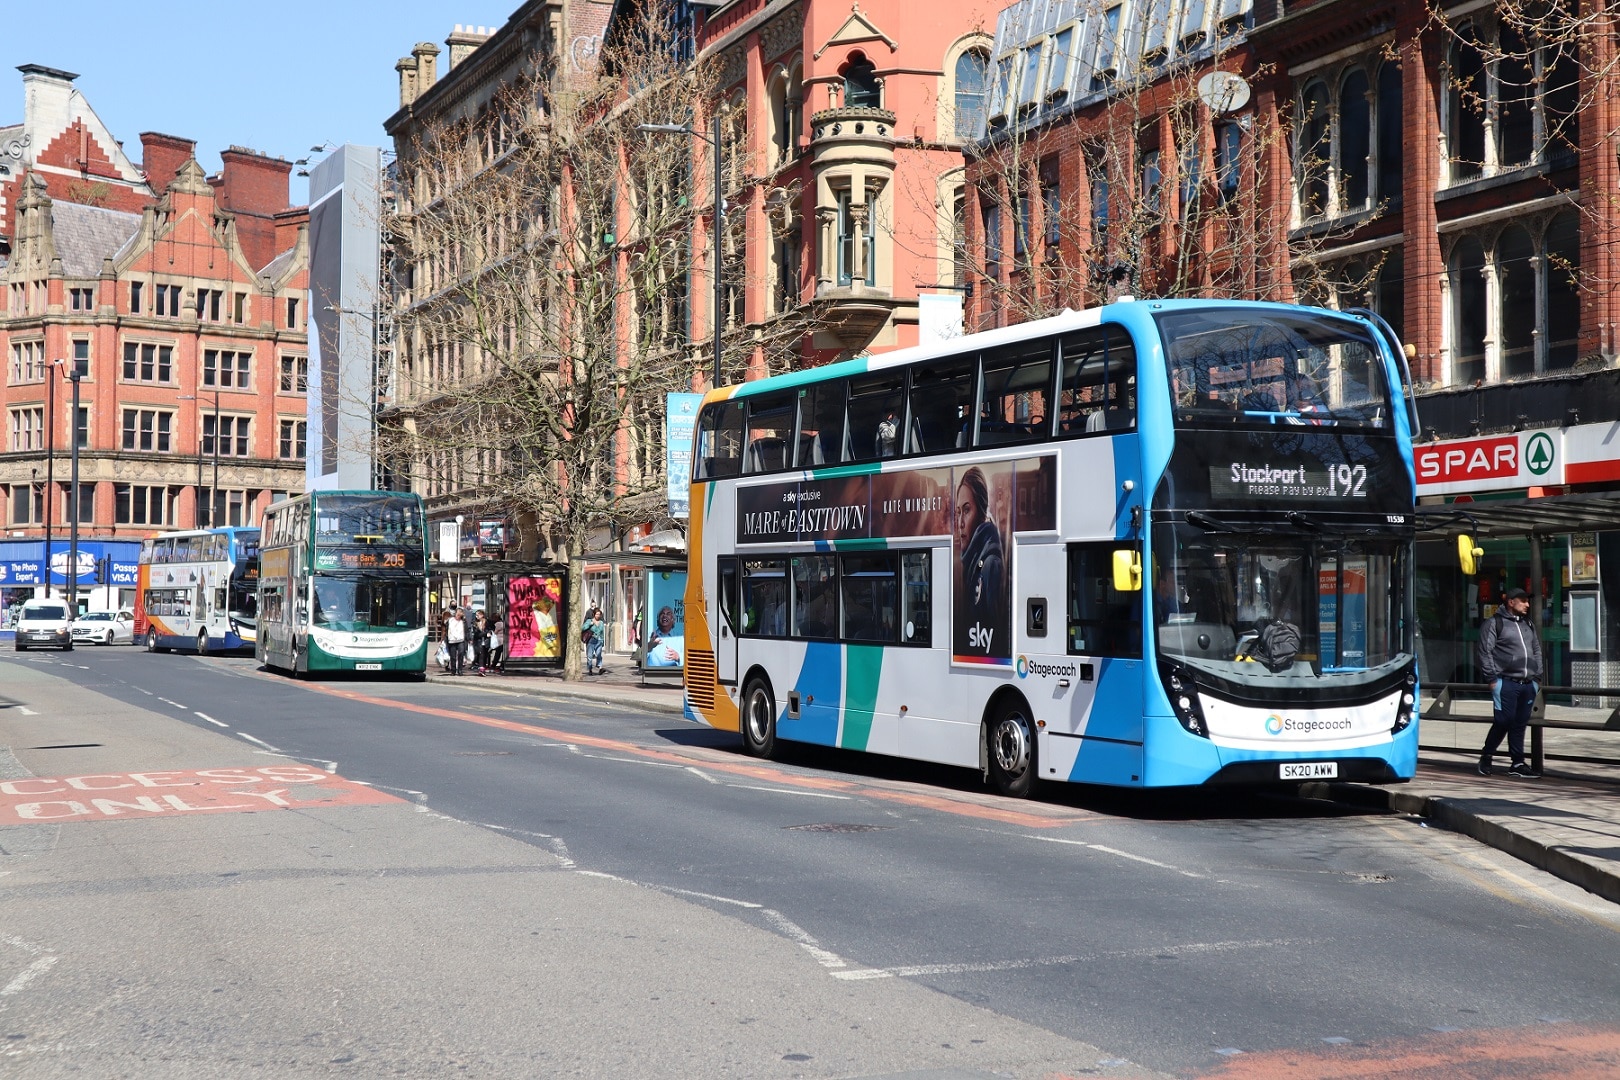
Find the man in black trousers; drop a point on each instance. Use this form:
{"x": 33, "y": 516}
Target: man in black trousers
{"x": 1510, "y": 659}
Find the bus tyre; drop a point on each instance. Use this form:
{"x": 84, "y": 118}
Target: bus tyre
{"x": 152, "y": 642}
{"x": 1012, "y": 750}
{"x": 759, "y": 719}
{"x": 202, "y": 642}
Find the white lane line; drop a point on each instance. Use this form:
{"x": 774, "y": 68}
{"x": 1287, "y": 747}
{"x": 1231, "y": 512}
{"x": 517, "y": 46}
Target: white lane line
{"x": 710, "y": 896}
{"x": 260, "y": 742}
{"x": 27, "y": 975}
{"x": 701, "y": 775}
{"x": 221, "y": 723}
{"x": 809, "y": 944}
{"x": 1106, "y": 850}
{"x": 148, "y": 693}
{"x": 166, "y": 701}
{"x": 791, "y": 791}
{"x": 1054, "y": 961}
{"x": 26, "y": 711}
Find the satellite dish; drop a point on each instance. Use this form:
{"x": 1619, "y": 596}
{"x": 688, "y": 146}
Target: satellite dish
{"x": 1223, "y": 91}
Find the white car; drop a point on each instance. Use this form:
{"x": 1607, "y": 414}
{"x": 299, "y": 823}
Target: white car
{"x": 103, "y": 627}
{"x": 44, "y": 622}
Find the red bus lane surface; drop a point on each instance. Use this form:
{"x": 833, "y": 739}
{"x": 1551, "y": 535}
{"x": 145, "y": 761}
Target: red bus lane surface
{"x": 106, "y": 796}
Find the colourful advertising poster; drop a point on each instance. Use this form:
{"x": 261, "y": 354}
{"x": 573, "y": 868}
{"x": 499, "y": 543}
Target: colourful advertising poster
{"x": 680, "y": 425}
{"x": 1350, "y": 652}
{"x": 666, "y": 621}
{"x": 981, "y": 527}
{"x": 533, "y": 613}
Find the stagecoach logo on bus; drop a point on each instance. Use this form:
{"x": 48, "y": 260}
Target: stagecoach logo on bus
{"x": 1276, "y": 725}
{"x": 1027, "y": 667}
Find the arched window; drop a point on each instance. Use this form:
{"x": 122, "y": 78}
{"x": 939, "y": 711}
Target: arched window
{"x": 1391, "y": 137}
{"x": 972, "y": 78}
{"x": 1561, "y": 268}
{"x": 1468, "y": 312}
{"x": 1355, "y": 141}
{"x": 1465, "y": 109}
{"x": 1315, "y": 151}
{"x": 1516, "y": 273}
{"x": 861, "y": 90}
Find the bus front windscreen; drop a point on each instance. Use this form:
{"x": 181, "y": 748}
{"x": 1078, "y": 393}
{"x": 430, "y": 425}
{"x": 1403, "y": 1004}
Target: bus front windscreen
{"x": 363, "y": 602}
{"x": 1259, "y": 608}
{"x": 1274, "y": 367}
{"x": 386, "y": 520}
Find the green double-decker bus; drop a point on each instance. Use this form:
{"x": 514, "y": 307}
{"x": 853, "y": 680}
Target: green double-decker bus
{"x": 343, "y": 583}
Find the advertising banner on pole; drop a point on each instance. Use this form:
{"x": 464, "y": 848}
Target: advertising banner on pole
{"x": 680, "y": 424}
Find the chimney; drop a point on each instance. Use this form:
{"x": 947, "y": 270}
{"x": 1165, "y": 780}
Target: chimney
{"x": 427, "y": 66}
{"x": 463, "y": 41}
{"x": 407, "y": 80}
{"x": 254, "y": 187}
{"x": 161, "y": 158}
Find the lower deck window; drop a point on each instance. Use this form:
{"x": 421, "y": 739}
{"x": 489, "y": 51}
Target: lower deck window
{"x": 877, "y": 597}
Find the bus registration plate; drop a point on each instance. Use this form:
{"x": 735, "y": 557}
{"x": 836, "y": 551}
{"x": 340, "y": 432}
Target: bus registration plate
{"x": 368, "y": 667}
{"x": 1310, "y": 770}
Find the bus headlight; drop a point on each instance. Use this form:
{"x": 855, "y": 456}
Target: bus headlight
{"x": 1184, "y": 701}
{"x": 1404, "y": 708}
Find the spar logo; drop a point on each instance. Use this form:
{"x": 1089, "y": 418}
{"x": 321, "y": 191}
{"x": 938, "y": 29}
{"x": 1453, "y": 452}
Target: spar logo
{"x": 1027, "y": 667}
{"x": 1274, "y": 724}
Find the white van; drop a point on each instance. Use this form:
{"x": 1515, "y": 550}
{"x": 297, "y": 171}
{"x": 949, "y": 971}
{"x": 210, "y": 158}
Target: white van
{"x": 44, "y": 622}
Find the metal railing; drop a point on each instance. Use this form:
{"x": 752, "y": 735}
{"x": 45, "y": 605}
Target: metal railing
{"x": 1448, "y": 698}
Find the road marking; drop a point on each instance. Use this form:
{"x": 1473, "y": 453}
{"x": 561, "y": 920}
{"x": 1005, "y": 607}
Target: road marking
{"x": 710, "y": 896}
{"x": 27, "y": 975}
{"x": 1057, "y": 961}
{"x": 211, "y": 720}
{"x": 829, "y": 960}
{"x": 1106, "y": 850}
{"x": 26, "y": 711}
{"x": 260, "y": 742}
{"x": 789, "y": 791}
{"x": 166, "y": 701}
{"x": 148, "y": 693}
{"x": 103, "y": 796}
{"x": 916, "y": 799}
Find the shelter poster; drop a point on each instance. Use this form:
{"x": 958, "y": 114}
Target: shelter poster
{"x": 666, "y": 620}
{"x": 534, "y": 612}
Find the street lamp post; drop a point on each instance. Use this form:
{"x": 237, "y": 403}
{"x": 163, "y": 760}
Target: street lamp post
{"x": 73, "y": 497}
{"x": 50, "y": 468}
{"x": 213, "y": 493}
{"x": 719, "y": 214}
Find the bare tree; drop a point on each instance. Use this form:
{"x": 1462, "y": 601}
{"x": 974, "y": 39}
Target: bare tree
{"x": 545, "y": 248}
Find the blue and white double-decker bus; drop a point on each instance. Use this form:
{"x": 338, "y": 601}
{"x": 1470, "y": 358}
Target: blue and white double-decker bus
{"x": 1149, "y": 544}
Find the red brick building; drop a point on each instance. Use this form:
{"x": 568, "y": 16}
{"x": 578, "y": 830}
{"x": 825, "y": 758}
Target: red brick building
{"x": 181, "y": 299}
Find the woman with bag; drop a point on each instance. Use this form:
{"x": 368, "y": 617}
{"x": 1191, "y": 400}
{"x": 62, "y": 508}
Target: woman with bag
{"x": 591, "y": 635}
{"x": 478, "y": 638}
{"x": 455, "y": 639}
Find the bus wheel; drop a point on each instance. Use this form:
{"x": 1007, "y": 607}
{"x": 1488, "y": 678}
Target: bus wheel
{"x": 152, "y": 642}
{"x": 759, "y": 719}
{"x": 202, "y": 642}
{"x": 1012, "y": 750}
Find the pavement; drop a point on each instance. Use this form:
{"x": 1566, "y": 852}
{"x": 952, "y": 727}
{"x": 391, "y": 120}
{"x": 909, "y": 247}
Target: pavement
{"x": 1566, "y": 823}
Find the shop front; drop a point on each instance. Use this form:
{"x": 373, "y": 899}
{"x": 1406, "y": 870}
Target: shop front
{"x": 1544, "y": 507}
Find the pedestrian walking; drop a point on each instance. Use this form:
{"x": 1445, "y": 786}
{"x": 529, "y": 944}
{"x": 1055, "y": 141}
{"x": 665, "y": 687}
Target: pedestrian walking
{"x": 1509, "y": 658}
{"x": 455, "y": 637}
{"x": 593, "y": 634}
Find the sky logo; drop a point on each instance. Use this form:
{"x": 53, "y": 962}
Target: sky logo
{"x": 1274, "y": 724}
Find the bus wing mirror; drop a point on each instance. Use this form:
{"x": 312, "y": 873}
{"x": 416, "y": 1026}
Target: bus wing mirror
{"x": 1127, "y": 571}
{"x": 1468, "y": 555}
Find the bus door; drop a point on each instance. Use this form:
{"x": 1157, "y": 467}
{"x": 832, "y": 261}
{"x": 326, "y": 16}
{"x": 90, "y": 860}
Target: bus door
{"x": 722, "y": 615}
{"x": 1096, "y": 730}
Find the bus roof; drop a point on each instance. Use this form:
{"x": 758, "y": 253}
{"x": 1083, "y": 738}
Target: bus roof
{"x": 1119, "y": 312}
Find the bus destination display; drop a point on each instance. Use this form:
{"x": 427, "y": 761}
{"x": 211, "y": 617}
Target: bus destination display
{"x": 1286, "y": 480}
{"x": 367, "y": 558}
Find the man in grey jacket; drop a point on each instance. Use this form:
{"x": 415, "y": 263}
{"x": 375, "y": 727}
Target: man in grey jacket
{"x": 1510, "y": 660}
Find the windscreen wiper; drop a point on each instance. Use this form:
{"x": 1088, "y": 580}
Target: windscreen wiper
{"x": 1209, "y": 524}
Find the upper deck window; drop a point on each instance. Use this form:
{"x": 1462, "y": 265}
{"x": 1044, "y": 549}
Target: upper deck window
{"x": 1243, "y": 367}
{"x": 719, "y": 441}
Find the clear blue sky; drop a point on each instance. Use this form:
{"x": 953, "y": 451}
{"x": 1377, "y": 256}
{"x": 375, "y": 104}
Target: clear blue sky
{"x": 279, "y": 77}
